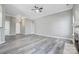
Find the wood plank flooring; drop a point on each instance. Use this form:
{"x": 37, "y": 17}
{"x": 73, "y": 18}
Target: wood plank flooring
{"x": 32, "y": 44}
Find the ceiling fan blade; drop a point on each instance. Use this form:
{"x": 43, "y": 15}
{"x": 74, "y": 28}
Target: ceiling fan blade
{"x": 41, "y": 8}
{"x": 35, "y": 6}
{"x": 33, "y": 9}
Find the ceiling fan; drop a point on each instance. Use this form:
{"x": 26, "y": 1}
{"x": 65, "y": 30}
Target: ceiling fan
{"x": 37, "y": 9}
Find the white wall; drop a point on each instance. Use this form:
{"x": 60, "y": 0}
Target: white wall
{"x": 7, "y": 27}
{"x": 29, "y": 27}
{"x": 11, "y": 30}
{"x": 76, "y": 18}
{"x": 10, "y": 27}
{"x": 0, "y": 16}
{"x": 26, "y": 26}
{"x": 17, "y": 28}
{"x": 59, "y": 25}
{"x": 2, "y": 24}
{"x": 76, "y": 14}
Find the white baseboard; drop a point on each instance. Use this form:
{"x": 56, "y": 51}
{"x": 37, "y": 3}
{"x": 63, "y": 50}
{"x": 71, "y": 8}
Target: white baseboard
{"x": 2, "y": 42}
{"x": 10, "y": 35}
{"x": 29, "y": 33}
{"x": 54, "y": 36}
{"x": 45, "y": 35}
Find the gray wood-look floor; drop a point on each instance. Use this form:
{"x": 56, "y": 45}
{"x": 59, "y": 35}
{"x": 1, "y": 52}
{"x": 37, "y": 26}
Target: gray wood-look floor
{"x": 32, "y": 44}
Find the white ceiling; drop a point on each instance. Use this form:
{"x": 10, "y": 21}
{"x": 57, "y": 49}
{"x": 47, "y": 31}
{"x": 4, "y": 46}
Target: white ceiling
{"x": 25, "y": 9}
